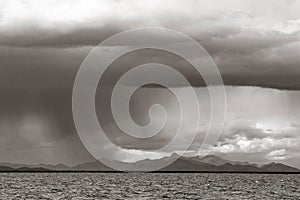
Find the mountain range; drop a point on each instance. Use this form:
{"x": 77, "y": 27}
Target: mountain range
{"x": 210, "y": 163}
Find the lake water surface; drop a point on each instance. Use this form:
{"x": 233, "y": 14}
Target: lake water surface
{"x": 148, "y": 186}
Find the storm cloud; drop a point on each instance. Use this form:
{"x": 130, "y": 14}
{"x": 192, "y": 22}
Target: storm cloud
{"x": 250, "y": 45}
{"x": 255, "y": 46}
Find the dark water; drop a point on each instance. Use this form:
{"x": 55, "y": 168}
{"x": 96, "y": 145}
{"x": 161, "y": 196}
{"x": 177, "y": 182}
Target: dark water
{"x": 148, "y": 186}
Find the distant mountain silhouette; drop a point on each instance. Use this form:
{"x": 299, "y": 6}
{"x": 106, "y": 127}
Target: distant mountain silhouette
{"x": 228, "y": 167}
{"x": 210, "y": 163}
{"x": 186, "y": 164}
{"x": 34, "y": 169}
{"x": 278, "y": 167}
{"x": 25, "y": 167}
{"x": 92, "y": 166}
{"x": 5, "y": 168}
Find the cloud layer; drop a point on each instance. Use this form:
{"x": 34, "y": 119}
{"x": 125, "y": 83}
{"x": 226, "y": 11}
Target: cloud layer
{"x": 251, "y": 44}
{"x": 33, "y": 22}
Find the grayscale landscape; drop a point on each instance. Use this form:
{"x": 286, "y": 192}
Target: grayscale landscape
{"x": 149, "y": 99}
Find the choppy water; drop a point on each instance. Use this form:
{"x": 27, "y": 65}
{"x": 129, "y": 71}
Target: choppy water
{"x": 148, "y": 186}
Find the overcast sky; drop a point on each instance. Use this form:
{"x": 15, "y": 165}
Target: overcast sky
{"x": 255, "y": 46}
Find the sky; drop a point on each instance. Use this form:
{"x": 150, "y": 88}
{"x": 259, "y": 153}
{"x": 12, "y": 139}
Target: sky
{"x": 255, "y": 46}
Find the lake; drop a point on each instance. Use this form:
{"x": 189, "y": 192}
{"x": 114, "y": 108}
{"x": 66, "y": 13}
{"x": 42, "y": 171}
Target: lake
{"x": 148, "y": 186}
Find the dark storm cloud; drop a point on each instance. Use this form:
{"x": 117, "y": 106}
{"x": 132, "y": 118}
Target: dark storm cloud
{"x": 250, "y": 47}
